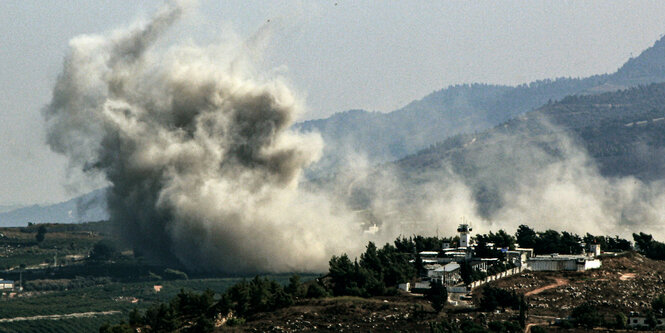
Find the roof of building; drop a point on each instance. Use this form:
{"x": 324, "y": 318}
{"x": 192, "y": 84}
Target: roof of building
{"x": 451, "y": 267}
{"x": 562, "y": 257}
{"x": 455, "y": 253}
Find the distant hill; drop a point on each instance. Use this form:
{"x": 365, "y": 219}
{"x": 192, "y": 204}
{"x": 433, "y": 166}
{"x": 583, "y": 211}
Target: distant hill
{"x": 88, "y": 207}
{"x": 7, "y": 208}
{"x": 459, "y": 109}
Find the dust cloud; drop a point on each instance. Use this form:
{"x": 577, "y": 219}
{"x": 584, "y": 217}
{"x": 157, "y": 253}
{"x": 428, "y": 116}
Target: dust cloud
{"x": 205, "y": 169}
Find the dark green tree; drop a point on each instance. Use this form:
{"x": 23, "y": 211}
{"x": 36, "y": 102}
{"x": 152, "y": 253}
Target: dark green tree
{"x": 650, "y": 320}
{"x": 437, "y": 295}
{"x": 341, "y": 272}
{"x": 370, "y": 259}
{"x": 466, "y": 271}
{"x": 135, "y": 318}
{"x": 496, "y": 297}
{"x": 658, "y": 305}
{"x": 570, "y": 244}
{"x": 103, "y": 250}
{"x": 620, "y": 321}
{"x": 41, "y": 233}
{"x": 295, "y": 287}
{"x": 643, "y": 242}
{"x": 502, "y": 239}
{"x": 524, "y": 308}
{"x": 526, "y": 237}
{"x": 586, "y": 315}
{"x": 548, "y": 242}
{"x": 316, "y": 290}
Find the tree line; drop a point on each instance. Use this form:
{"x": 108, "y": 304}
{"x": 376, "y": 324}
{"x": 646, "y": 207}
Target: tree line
{"x": 377, "y": 272}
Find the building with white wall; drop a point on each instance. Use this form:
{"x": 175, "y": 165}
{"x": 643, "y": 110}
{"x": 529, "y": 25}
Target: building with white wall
{"x": 556, "y": 262}
{"x": 6, "y": 284}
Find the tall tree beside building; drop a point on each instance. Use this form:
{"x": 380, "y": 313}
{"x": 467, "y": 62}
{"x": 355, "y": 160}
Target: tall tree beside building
{"x": 526, "y": 237}
{"x": 437, "y": 295}
{"x": 41, "y": 233}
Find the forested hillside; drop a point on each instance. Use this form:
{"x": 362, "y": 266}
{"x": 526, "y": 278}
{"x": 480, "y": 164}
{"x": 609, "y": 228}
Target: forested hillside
{"x": 460, "y": 109}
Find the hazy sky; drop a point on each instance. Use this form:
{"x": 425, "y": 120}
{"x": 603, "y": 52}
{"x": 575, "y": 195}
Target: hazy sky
{"x": 338, "y": 54}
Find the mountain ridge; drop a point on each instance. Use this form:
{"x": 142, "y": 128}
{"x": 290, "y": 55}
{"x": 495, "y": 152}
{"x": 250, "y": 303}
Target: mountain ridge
{"x": 85, "y": 208}
{"x": 465, "y": 108}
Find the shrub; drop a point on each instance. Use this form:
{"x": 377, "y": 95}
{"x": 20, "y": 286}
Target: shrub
{"x": 315, "y": 290}
{"x": 437, "y": 295}
{"x": 497, "y": 297}
{"x": 538, "y": 329}
{"x": 586, "y": 315}
{"x": 235, "y": 321}
{"x": 103, "y": 250}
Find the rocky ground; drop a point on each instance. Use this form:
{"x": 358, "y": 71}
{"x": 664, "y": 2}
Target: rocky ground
{"x": 623, "y": 284}
{"x": 346, "y": 314}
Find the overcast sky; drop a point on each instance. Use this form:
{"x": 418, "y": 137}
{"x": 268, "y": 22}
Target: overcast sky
{"x": 374, "y": 55}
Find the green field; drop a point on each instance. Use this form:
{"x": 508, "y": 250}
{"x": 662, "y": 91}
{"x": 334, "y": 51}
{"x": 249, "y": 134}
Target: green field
{"x": 79, "y": 285}
{"x": 73, "y": 325}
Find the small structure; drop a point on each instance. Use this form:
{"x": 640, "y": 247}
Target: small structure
{"x": 449, "y": 274}
{"x": 6, "y": 284}
{"x": 405, "y": 286}
{"x": 483, "y": 264}
{"x": 594, "y": 249}
{"x": 638, "y": 321}
{"x": 428, "y": 257}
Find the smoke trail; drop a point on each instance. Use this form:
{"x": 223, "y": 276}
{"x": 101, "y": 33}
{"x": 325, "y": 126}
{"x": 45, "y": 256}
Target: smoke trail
{"x": 203, "y": 167}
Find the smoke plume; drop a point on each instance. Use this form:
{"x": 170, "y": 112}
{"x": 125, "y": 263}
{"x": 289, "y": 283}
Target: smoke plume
{"x": 205, "y": 170}
{"x": 203, "y": 167}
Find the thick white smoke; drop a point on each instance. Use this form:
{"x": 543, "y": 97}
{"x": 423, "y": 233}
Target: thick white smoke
{"x": 203, "y": 167}
{"x": 205, "y": 170}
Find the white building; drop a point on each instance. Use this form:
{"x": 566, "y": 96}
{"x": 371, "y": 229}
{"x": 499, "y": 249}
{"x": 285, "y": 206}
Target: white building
{"x": 6, "y": 284}
{"x": 594, "y": 249}
{"x": 555, "y": 262}
{"x": 449, "y": 274}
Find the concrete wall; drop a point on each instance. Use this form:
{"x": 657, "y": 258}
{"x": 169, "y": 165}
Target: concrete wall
{"x": 562, "y": 265}
{"x": 501, "y": 275}
{"x": 457, "y": 289}
{"x": 552, "y": 265}
{"x": 641, "y": 322}
{"x": 592, "y": 264}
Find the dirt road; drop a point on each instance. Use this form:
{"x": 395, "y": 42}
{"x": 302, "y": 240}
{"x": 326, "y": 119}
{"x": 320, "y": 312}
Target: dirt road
{"x": 60, "y": 316}
{"x": 559, "y": 282}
